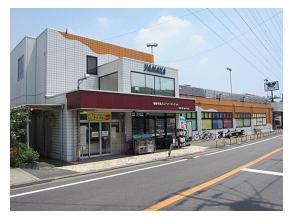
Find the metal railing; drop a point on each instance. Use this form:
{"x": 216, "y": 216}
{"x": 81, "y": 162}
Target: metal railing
{"x": 246, "y": 138}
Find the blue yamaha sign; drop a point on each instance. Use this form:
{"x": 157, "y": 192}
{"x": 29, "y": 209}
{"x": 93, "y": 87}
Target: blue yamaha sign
{"x": 154, "y": 68}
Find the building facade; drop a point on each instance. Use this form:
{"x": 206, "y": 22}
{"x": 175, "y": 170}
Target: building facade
{"x": 88, "y": 98}
{"x": 221, "y": 111}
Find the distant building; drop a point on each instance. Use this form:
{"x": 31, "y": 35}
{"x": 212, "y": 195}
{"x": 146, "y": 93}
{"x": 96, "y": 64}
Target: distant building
{"x": 277, "y": 114}
{"x": 218, "y": 110}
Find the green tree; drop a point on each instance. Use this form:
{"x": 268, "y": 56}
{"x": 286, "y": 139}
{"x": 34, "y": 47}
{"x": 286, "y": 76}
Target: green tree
{"x": 20, "y": 153}
{"x": 18, "y": 119}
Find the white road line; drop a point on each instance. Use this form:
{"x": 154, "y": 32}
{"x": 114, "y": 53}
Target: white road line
{"x": 262, "y": 171}
{"x": 128, "y": 172}
{"x": 95, "y": 179}
{"x": 234, "y": 148}
{"x": 195, "y": 157}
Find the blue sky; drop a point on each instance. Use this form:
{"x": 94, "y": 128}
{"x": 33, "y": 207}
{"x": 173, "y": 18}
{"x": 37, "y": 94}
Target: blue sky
{"x": 247, "y": 40}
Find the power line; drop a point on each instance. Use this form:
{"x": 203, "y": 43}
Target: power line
{"x": 263, "y": 34}
{"x": 251, "y": 42}
{"x": 279, "y": 29}
{"x": 257, "y": 37}
{"x": 266, "y": 39}
{"x": 211, "y": 29}
{"x": 231, "y": 32}
{"x": 269, "y": 31}
{"x": 222, "y": 44}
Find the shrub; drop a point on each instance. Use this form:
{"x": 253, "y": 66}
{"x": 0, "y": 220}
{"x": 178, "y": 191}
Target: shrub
{"x": 21, "y": 154}
{"x": 29, "y": 155}
{"x": 15, "y": 160}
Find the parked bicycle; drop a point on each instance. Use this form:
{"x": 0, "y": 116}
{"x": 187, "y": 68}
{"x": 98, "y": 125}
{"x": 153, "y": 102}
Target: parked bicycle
{"x": 204, "y": 135}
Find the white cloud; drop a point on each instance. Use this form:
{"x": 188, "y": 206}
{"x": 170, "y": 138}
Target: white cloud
{"x": 197, "y": 39}
{"x": 204, "y": 61}
{"x": 162, "y": 31}
{"x": 103, "y": 20}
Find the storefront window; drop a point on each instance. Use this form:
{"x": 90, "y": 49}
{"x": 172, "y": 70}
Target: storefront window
{"x": 158, "y": 125}
{"x": 191, "y": 116}
{"x": 171, "y": 126}
{"x": 243, "y": 119}
{"x": 150, "y": 126}
{"x": 137, "y": 125}
{"x": 259, "y": 119}
{"x": 217, "y": 123}
{"x": 206, "y": 124}
{"x": 216, "y": 120}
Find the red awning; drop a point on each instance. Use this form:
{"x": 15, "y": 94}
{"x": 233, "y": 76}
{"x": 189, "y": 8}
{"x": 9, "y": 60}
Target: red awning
{"x": 128, "y": 102}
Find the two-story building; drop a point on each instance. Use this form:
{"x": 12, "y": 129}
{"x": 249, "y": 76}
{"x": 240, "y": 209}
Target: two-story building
{"x": 88, "y": 98}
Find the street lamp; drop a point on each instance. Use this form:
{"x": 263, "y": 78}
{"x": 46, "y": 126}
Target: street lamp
{"x": 266, "y": 81}
{"x": 81, "y": 79}
{"x": 230, "y": 70}
{"x": 152, "y": 45}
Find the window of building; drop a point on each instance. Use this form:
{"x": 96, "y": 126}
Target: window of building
{"x": 216, "y": 120}
{"x": 259, "y": 119}
{"x": 20, "y": 68}
{"x": 150, "y": 84}
{"x": 109, "y": 82}
{"x": 206, "y": 120}
{"x": 243, "y": 119}
{"x": 167, "y": 87}
{"x": 154, "y": 124}
{"x": 191, "y": 116}
{"x": 228, "y": 121}
{"x": 138, "y": 125}
{"x": 91, "y": 65}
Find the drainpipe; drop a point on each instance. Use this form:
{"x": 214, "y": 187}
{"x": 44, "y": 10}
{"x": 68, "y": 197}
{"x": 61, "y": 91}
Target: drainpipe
{"x": 61, "y": 119}
{"x": 27, "y": 132}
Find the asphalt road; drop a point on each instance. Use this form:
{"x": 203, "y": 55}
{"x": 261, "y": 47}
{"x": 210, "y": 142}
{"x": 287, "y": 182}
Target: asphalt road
{"x": 166, "y": 183}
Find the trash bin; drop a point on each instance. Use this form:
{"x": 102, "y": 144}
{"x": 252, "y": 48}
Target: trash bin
{"x": 143, "y": 143}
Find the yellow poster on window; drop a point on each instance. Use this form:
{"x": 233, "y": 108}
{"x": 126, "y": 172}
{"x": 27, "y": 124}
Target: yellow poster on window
{"x": 97, "y": 116}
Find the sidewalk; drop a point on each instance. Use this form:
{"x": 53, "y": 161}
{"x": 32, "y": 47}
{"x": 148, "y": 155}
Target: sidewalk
{"x": 50, "y": 170}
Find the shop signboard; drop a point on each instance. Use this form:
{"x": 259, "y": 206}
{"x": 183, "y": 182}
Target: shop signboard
{"x": 154, "y": 69}
{"x": 97, "y": 116}
{"x": 271, "y": 86}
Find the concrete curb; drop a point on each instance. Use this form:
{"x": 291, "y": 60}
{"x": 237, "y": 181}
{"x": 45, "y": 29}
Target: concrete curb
{"x": 47, "y": 180}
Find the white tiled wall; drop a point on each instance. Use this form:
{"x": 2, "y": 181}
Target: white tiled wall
{"x": 41, "y": 65}
{"x": 23, "y": 91}
{"x": 67, "y": 63}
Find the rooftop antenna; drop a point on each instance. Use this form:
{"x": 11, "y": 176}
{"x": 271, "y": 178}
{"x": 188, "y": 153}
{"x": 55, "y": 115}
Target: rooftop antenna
{"x": 66, "y": 31}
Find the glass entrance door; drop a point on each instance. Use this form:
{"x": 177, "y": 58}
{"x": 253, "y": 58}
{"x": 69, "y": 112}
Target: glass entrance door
{"x": 106, "y": 142}
{"x": 94, "y": 139}
{"x": 116, "y": 137}
{"x": 84, "y": 139}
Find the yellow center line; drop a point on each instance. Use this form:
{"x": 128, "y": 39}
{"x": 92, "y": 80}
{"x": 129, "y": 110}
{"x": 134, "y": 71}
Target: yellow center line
{"x": 195, "y": 189}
